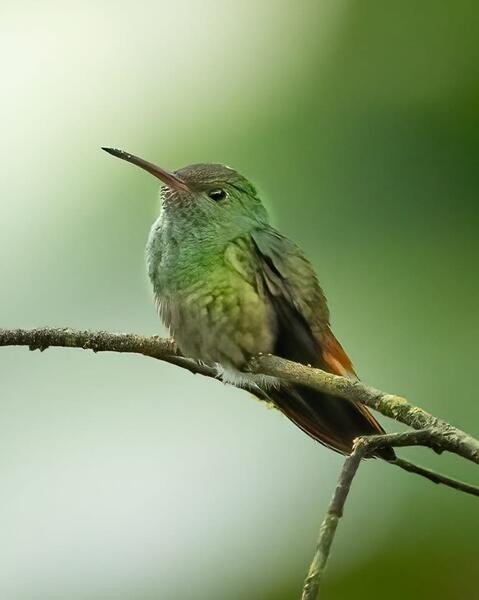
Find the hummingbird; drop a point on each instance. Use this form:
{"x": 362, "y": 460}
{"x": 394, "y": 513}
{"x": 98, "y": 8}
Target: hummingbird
{"x": 229, "y": 286}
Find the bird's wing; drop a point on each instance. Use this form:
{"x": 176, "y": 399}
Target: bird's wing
{"x": 293, "y": 289}
{"x": 300, "y": 304}
{"x": 304, "y": 335}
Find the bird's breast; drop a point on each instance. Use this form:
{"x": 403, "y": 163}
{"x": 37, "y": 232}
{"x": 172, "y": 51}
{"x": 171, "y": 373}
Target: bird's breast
{"x": 216, "y": 316}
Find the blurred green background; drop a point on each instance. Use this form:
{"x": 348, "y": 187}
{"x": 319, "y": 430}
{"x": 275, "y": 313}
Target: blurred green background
{"x": 125, "y": 478}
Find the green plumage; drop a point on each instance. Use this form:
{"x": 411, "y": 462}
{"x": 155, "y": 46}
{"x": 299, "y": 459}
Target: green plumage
{"x": 229, "y": 286}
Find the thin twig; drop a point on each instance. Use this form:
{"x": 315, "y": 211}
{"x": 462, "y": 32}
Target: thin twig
{"x": 363, "y": 447}
{"x": 436, "y": 477}
{"x": 421, "y": 437}
{"x": 330, "y": 523}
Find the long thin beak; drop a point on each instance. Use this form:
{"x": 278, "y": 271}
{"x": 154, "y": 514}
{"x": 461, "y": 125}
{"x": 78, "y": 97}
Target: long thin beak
{"x": 169, "y": 179}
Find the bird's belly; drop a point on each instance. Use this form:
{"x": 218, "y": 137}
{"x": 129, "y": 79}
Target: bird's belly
{"x": 223, "y": 321}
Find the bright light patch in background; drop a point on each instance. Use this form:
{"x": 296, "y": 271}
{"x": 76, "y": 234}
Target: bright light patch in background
{"x": 72, "y": 73}
{"x": 103, "y": 493}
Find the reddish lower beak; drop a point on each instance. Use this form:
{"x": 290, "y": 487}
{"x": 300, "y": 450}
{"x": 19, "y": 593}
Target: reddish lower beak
{"x": 169, "y": 179}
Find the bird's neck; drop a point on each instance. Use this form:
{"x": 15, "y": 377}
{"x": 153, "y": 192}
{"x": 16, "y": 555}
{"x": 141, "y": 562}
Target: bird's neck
{"x": 177, "y": 257}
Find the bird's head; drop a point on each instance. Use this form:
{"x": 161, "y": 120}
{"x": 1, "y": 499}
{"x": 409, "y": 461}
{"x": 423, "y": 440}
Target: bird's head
{"x": 211, "y": 198}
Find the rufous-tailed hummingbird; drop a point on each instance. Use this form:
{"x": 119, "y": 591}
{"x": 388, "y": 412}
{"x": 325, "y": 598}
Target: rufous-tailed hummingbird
{"x": 229, "y": 286}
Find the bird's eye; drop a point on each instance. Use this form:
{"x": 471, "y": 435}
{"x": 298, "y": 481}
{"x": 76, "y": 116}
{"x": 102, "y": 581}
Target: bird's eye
{"x": 217, "y": 194}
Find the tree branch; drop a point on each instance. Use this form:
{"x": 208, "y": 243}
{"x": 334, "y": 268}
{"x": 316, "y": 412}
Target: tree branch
{"x": 436, "y": 477}
{"x": 103, "y": 341}
{"x": 442, "y": 435}
{"x": 363, "y": 447}
{"x": 329, "y": 525}
{"x": 430, "y": 431}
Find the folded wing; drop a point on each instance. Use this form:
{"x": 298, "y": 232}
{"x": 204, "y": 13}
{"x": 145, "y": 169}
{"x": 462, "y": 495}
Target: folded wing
{"x": 303, "y": 335}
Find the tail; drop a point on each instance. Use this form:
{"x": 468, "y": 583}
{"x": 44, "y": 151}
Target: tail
{"x": 333, "y": 421}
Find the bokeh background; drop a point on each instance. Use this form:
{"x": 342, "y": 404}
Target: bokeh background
{"x": 124, "y": 478}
